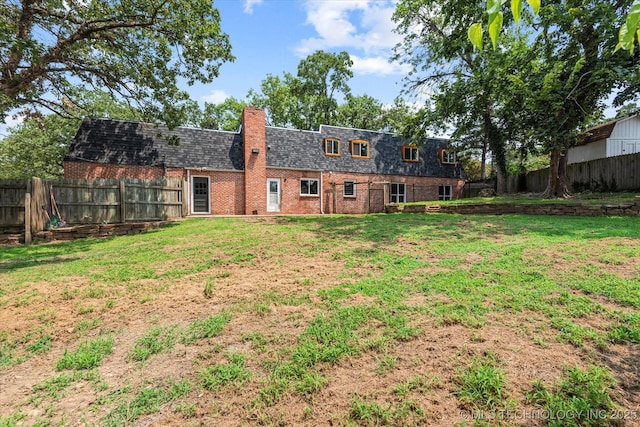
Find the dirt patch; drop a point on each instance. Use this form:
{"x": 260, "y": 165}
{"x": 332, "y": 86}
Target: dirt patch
{"x": 272, "y": 300}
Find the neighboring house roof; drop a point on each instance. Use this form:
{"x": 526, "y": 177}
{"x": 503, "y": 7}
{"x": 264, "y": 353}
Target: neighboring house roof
{"x": 131, "y": 143}
{"x": 600, "y": 132}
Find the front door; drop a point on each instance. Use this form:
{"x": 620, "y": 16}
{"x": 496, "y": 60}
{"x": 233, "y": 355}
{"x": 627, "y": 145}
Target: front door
{"x": 200, "y": 195}
{"x": 273, "y": 195}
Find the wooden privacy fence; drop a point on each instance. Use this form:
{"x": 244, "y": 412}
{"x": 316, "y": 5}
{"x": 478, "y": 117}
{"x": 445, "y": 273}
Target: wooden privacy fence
{"x": 620, "y": 173}
{"x": 25, "y": 205}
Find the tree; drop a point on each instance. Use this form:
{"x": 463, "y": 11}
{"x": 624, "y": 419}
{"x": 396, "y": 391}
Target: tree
{"x": 36, "y": 147}
{"x": 226, "y": 115}
{"x": 469, "y": 91}
{"x": 538, "y": 92}
{"x": 137, "y": 50}
{"x": 310, "y": 98}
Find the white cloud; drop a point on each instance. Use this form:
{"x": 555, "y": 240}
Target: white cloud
{"x": 250, "y": 4}
{"x": 363, "y": 25}
{"x": 216, "y": 96}
{"x": 378, "y": 65}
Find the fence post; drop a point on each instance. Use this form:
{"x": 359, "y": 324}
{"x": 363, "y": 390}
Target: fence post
{"x": 27, "y": 218}
{"x": 123, "y": 202}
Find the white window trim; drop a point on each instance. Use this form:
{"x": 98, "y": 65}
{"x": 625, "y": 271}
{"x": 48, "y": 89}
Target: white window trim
{"x": 445, "y": 196}
{"x": 309, "y": 185}
{"x": 404, "y": 193}
{"x": 349, "y": 196}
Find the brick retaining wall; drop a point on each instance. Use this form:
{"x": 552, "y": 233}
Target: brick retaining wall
{"x": 567, "y": 209}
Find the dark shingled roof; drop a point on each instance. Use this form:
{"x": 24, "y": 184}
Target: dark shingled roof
{"x": 288, "y": 148}
{"x": 130, "y": 143}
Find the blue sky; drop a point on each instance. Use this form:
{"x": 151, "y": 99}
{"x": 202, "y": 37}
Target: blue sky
{"x": 272, "y": 36}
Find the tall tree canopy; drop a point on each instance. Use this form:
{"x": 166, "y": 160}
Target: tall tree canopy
{"x": 37, "y": 146}
{"x": 538, "y": 91}
{"x": 137, "y": 50}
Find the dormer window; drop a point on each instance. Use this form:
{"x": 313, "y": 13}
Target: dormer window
{"x": 332, "y": 146}
{"x": 410, "y": 153}
{"x": 447, "y": 157}
{"x": 360, "y": 148}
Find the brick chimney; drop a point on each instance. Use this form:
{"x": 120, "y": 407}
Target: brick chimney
{"x": 254, "y": 139}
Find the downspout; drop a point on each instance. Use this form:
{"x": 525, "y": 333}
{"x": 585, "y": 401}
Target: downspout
{"x": 321, "y": 201}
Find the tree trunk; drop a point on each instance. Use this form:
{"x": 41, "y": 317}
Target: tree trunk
{"x": 557, "y": 186}
{"x": 501, "y": 182}
{"x": 483, "y": 161}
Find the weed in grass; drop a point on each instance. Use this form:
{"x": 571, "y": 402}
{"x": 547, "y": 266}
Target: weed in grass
{"x": 147, "y": 401}
{"x": 69, "y": 295}
{"x": 85, "y": 309}
{"x": 574, "y": 333}
{"x": 188, "y": 410}
{"x": 261, "y": 309}
{"x": 12, "y": 420}
{"x": 208, "y": 289}
{"x": 310, "y": 383}
{"x": 84, "y": 326}
{"x": 157, "y": 340}
{"x": 371, "y": 413}
{"x": 386, "y": 364}
{"x": 207, "y": 328}
{"x": 257, "y": 340}
{"x": 584, "y": 394}
{"x": 52, "y": 387}
{"x": 108, "y": 304}
{"x": 41, "y": 345}
{"x": 88, "y": 355}
{"x": 482, "y": 384}
{"x": 419, "y": 384}
{"x": 232, "y": 373}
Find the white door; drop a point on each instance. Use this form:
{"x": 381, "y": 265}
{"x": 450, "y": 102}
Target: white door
{"x": 273, "y": 195}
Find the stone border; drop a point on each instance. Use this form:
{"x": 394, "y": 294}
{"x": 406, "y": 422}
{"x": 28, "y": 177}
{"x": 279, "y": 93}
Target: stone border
{"x": 84, "y": 231}
{"x": 567, "y": 209}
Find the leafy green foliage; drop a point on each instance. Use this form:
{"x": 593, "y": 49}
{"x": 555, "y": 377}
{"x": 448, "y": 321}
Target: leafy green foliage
{"x": 36, "y": 147}
{"x": 129, "y": 48}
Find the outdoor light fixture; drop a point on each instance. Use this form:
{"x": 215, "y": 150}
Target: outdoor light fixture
{"x": 255, "y": 150}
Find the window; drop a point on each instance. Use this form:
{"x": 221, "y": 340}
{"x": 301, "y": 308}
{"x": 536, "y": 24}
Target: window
{"x": 410, "y": 153}
{"x": 349, "y": 189}
{"x": 360, "y": 148}
{"x": 332, "y": 147}
{"x": 444, "y": 192}
{"x": 309, "y": 187}
{"x": 398, "y": 193}
{"x": 447, "y": 157}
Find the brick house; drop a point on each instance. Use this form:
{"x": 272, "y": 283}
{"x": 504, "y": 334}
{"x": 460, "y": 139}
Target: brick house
{"x": 263, "y": 169}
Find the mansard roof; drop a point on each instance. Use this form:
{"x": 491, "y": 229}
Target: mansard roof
{"x": 131, "y": 143}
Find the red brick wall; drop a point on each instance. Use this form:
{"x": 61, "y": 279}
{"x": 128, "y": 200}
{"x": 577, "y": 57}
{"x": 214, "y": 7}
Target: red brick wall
{"x": 226, "y": 191}
{"x": 369, "y": 191}
{"x": 292, "y": 201}
{"x": 254, "y": 137}
{"x": 88, "y": 170}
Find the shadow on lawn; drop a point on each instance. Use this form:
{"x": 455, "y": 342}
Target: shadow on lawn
{"x": 25, "y": 256}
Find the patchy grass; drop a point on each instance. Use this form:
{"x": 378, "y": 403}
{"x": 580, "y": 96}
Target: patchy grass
{"x": 343, "y": 320}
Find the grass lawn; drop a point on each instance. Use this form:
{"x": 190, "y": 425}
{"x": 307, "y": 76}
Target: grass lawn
{"x": 399, "y": 320}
